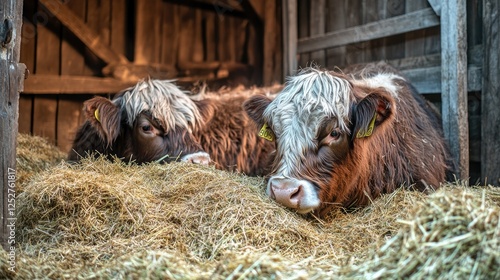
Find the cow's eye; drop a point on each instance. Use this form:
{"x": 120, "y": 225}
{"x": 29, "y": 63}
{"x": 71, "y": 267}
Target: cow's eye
{"x": 335, "y": 134}
{"x": 147, "y": 128}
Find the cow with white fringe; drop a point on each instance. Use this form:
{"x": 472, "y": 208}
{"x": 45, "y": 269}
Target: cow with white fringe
{"x": 156, "y": 121}
{"x": 343, "y": 139}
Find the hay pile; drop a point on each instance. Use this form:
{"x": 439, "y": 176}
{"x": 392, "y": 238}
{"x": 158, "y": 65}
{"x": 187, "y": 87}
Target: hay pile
{"x": 101, "y": 220}
{"x": 34, "y": 154}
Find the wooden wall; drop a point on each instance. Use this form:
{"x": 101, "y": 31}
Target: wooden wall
{"x": 407, "y": 51}
{"x": 189, "y": 38}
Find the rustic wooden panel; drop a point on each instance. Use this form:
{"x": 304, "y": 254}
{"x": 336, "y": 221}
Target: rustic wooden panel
{"x": 41, "y": 85}
{"x": 28, "y": 44}
{"x": 289, "y": 37}
{"x": 72, "y": 63}
{"x": 147, "y": 30}
{"x": 272, "y": 47}
{"x": 170, "y": 33}
{"x": 186, "y": 37}
{"x": 490, "y": 149}
{"x": 454, "y": 82}
{"x": 395, "y": 25}
{"x": 303, "y": 22}
{"x": 47, "y": 62}
{"x": 118, "y": 38}
{"x": 209, "y": 38}
{"x": 354, "y": 18}
{"x": 335, "y": 20}
{"x": 11, "y": 76}
{"x": 317, "y": 28}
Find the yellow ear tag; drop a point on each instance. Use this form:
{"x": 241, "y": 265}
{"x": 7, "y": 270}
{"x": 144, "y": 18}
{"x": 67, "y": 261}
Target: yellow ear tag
{"x": 96, "y": 114}
{"x": 369, "y": 131}
{"x": 266, "y": 133}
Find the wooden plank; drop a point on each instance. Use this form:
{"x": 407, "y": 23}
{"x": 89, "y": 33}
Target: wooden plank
{"x": 210, "y": 45}
{"x": 354, "y": 52}
{"x": 83, "y": 32}
{"x": 490, "y": 132}
{"x": 272, "y": 60}
{"x": 289, "y": 37}
{"x": 454, "y": 82}
{"x": 28, "y": 45}
{"x": 303, "y": 29}
{"x": 219, "y": 7}
{"x": 396, "y": 25}
{"x": 170, "y": 33}
{"x": 317, "y": 28}
{"x": 11, "y": 82}
{"x": 186, "y": 38}
{"x": 147, "y": 31}
{"x": 118, "y": 38}
{"x": 72, "y": 63}
{"x": 415, "y": 41}
{"x": 436, "y": 6}
{"x": 428, "y": 80}
{"x": 55, "y": 84}
{"x": 335, "y": 21}
{"x": 47, "y": 62}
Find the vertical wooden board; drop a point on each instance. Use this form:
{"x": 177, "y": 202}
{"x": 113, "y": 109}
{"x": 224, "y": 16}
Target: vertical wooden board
{"x": 374, "y": 11}
{"x": 415, "y": 41}
{"x": 72, "y": 63}
{"x": 290, "y": 37}
{"x": 303, "y": 22}
{"x": 272, "y": 35}
{"x": 209, "y": 42}
{"x": 454, "y": 82}
{"x": 240, "y": 36}
{"x": 186, "y": 38}
{"x": 27, "y": 56}
{"x": 118, "y": 39}
{"x": 147, "y": 31}
{"x": 230, "y": 31}
{"x": 170, "y": 33}
{"x": 490, "y": 134}
{"x": 335, "y": 20}
{"x": 394, "y": 45}
{"x": 317, "y": 27}
{"x": 198, "y": 51}
{"x": 97, "y": 20}
{"x": 47, "y": 62}
{"x": 354, "y": 52}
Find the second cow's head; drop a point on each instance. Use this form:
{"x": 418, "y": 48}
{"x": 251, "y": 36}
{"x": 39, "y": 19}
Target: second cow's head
{"x": 316, "y": 120}
{"x": 152, "y": 121}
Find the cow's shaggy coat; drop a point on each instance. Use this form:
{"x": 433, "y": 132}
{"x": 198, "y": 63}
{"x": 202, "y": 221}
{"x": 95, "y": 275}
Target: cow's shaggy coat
{"x": 344, "y": 139}
{"x": 156, "y": 121}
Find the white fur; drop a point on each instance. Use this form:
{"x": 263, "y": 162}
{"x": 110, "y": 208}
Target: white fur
{"x": 383, "y": 80}
{"x": 297, "y": 111}
{"x": 166, "y": 102}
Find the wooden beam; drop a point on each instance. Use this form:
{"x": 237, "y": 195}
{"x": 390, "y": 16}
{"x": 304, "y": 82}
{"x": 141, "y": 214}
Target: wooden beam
{"x": 80, "y": 29}
{"x": 454, "y": 82}
{"x": 11, "y": 83}
{"x": 490, "y": 101}
{"x": 436, "y": 6}
{"x": 289, "y": 37}
{"x": 55, "y": 84}
{"x": 428, "y": 80}
{"x": 396, "y": 25}
{"x": 219, "y": 7}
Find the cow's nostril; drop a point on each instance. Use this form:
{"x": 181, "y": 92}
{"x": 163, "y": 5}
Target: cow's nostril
{"x": 296, "y": 194}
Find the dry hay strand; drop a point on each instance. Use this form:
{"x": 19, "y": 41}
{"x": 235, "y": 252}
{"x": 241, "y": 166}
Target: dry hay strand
{"x": 34, "y": 154}
{"x": 454, "y": 234}
{"x": 101, "y": 220}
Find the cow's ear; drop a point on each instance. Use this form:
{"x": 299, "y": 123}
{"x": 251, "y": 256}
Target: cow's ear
{"x": 370, "y": 112}
{"x": 104, "y": 116}
{"x": 255, "y": 106}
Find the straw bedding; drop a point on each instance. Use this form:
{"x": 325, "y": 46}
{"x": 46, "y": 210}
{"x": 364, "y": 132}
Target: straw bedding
{"x": 103, "y": 220}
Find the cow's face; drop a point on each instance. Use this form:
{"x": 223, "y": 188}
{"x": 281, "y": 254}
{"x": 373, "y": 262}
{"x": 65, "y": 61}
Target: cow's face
{"x": 148, "y": 130}
{"x": 316, "y": 120}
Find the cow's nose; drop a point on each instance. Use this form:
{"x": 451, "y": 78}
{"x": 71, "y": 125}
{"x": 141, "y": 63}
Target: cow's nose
{"x": 197, "y": 158}
{"x": 288, "y": 192}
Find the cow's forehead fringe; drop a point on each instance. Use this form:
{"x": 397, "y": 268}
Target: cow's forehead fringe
{"x": 164, "y": 100}
{"x": 313, "y": 92}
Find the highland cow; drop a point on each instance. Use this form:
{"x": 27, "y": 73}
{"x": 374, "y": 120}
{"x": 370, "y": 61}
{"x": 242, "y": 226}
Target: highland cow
{"x": 156, "y": 121}
{"x": 343, "y": 139}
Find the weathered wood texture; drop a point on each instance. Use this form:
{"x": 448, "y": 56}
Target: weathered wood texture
{"x": 76, "y": 49}
{"x": 490, "y": 150}
{"x": 11, "y": 83}
{"x": 289, "y": 36}
{"x": 454, "y": 82}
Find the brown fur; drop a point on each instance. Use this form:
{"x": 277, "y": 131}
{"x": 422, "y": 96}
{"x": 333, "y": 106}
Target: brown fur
{"x": 227, "y": 135}
{"x": 407, "y": 147}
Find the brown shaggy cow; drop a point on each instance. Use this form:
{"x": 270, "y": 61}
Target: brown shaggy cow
{"x": 156, "y": 121}
{"x": 344, "y": 139}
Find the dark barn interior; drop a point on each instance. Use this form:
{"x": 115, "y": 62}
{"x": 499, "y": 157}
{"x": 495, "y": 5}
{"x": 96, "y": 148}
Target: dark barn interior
{"x": 77, "y": 49}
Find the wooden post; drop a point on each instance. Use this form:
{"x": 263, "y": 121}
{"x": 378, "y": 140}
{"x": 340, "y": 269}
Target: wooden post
{"x": 454, "y": 82}
{"x": 289, "y": 37}
{"x": 490, "y": 102}
{"x": 11, "y": 83}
